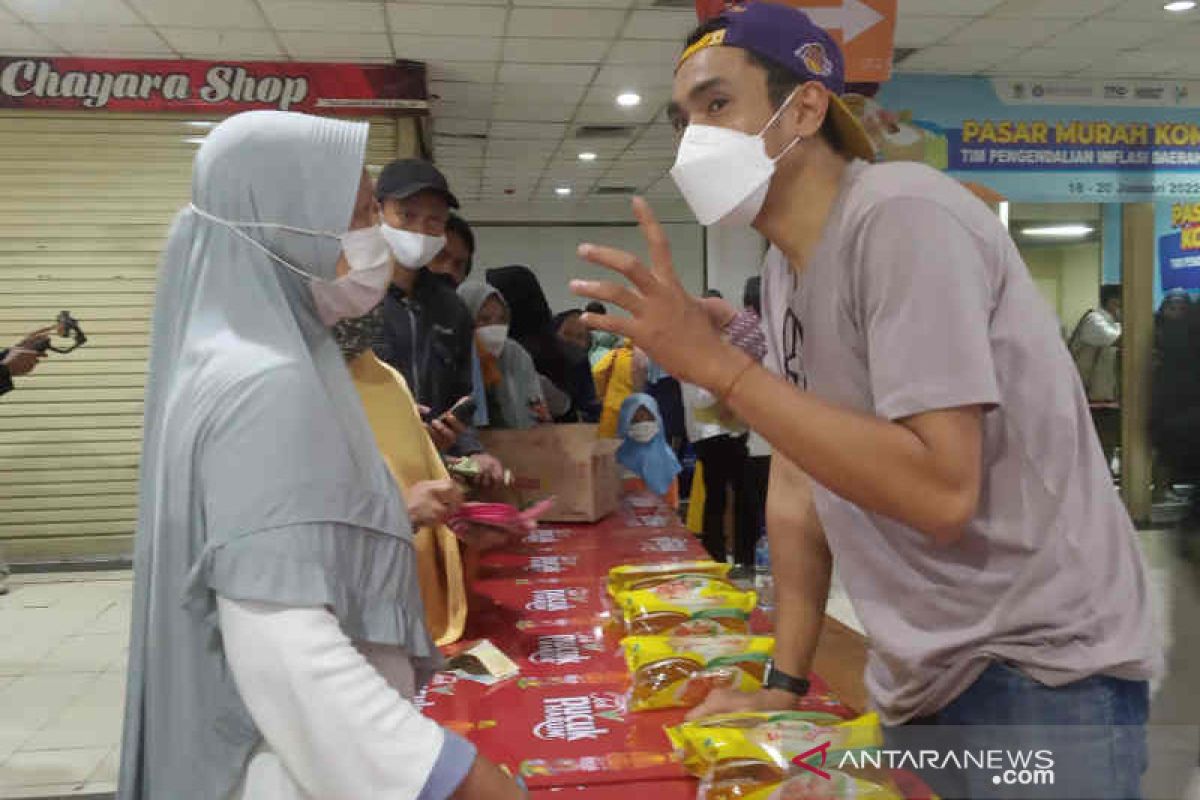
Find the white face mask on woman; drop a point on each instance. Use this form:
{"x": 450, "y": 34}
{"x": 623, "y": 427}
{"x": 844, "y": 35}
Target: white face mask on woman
{"x": 643, "y": 432}
{"x": 724, "y": 174}
{"x": 353, "y": 294}
{"x": 412, "y": 250}
{"x": 493, "y": 337}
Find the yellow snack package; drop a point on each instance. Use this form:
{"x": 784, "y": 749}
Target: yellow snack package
{"x": 753, "y": 756}
{"x": 643, "y": 576}
{"x": 679, "y": 672}
{"x": 687, "y": 607}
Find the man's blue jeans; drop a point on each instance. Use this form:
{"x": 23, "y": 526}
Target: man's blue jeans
{"x": 1016, "y": 738}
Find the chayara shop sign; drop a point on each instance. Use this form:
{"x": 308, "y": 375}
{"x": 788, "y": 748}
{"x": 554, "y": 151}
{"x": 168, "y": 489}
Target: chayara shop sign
{"x": 100, "y": 84}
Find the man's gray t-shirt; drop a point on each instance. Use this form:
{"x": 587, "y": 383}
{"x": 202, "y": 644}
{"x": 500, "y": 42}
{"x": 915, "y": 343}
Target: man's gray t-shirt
{"x": 916, "y": 299}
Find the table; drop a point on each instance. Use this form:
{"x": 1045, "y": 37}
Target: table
{"x": 563, "y": 725}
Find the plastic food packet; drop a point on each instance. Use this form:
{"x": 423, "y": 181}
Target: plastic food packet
{"x": 642, "y": 576}
{"x": 687, "y": 608}
{"x": 680, "y": 672}
{"x": 752, "y": 756}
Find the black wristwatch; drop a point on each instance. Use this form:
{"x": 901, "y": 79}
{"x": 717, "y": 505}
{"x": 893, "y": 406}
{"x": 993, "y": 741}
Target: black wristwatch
{"x": 774, "y": 679}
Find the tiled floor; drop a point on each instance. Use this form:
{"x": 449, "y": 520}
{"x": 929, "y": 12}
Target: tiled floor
{"x": 63, "y": 641}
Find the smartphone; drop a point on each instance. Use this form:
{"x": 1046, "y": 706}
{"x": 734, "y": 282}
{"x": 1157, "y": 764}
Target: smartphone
{"x": 464, "y": 411}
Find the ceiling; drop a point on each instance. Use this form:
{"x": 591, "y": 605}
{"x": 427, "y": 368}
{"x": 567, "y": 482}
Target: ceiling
{"x": 515, "y": 80}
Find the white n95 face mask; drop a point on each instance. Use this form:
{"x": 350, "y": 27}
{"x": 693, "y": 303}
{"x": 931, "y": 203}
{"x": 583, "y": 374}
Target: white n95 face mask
{"x": 493, "y": 337}
{"x": 724, "y": 174}
{"x": 353, "y": 294}
{"x": 643, "y": 432}
{"x": 412, "y": 250}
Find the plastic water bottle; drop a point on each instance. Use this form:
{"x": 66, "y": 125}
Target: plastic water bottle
{"x": 764, "y": 583}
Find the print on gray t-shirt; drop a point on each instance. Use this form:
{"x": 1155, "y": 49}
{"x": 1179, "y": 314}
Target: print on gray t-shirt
{"x": 916, "y": 299}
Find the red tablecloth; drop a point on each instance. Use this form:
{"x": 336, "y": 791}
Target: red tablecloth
{"x": 564, "y": 725}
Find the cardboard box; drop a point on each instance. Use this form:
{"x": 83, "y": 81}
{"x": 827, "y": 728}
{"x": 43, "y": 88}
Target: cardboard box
{"x": 567, "y": 462}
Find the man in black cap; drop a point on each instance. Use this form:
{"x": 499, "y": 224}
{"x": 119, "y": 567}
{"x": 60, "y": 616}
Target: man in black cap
{"x": 428, "y": 332}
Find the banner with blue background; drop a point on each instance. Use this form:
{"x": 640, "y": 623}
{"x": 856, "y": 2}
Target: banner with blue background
{"x": 1046, "y": 141}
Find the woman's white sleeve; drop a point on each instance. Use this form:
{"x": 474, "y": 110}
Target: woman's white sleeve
{"x": 338, "y": 727}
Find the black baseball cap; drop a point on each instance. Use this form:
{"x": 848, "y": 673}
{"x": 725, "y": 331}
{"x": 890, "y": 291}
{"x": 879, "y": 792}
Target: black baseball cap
{"x": 407, "y": 176}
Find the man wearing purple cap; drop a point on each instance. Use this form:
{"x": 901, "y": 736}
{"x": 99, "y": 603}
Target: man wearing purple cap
{"x": 930, "y": 429}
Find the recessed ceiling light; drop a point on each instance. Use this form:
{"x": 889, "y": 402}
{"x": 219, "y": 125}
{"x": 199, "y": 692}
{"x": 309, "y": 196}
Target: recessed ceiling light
{"x": 1059, "y": 231}
{"x": 587, "y": 156}
{"x": 1179, "y": 6}
{"x": 628, "y": 99}
{"x": 563, "y": 191}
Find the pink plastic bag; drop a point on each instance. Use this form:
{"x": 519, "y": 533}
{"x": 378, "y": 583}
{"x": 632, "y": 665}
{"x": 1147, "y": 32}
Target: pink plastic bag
{"x": 499, "y": 515}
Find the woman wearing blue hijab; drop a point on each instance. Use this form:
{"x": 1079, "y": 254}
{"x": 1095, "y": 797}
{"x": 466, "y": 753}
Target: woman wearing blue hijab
{"x": 644, "y": 450}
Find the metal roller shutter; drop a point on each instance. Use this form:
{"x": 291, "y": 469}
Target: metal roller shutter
{"x": 85, "y": 201}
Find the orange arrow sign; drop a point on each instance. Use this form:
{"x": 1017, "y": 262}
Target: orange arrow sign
{"x": 866, "y": 30}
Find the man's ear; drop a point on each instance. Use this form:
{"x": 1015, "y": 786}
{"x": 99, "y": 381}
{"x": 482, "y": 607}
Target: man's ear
{"x": 808, "y": 109}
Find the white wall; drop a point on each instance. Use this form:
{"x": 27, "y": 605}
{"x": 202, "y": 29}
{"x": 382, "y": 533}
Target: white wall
{"x": 550, "y": 252}
{"x": 734, "y": 255}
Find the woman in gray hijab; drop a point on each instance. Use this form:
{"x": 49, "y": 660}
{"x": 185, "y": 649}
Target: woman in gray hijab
{"x": 277, "y": 620}
{"x": 514, "y": 390}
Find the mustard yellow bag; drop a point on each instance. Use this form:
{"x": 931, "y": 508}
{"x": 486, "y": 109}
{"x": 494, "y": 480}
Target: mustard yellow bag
{"x": 687, "y": 607}
{"x": 751, "y": 756}
{"x": 627, "y": 577}
{"x": 673, "y": 672}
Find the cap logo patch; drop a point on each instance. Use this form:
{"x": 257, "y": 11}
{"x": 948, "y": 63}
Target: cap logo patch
{"x": 815, "y": 59}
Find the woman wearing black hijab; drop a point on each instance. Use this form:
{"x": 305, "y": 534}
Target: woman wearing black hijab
{"x": 534, "y": 328}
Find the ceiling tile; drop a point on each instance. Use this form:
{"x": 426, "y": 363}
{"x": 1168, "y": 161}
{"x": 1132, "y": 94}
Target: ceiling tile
{"x": 450, "y": 108}
{"x": 546, "y": 93}
{"x": 1048, "y": 61}
{"x": 328, "y": 16}
{"x": 627, "y": 76}
{"x": 609, "y": 114}
{"x": 516, "y": 149}
{"x": 644, "y": 52}
{"x": 344, "y": 46}
{"x": 214, "y": 43}
{"x": 555, "y": 51}
{"x": 672, "y": 26}
{"x": 229, "y": 14}
{"x": 528, "y": 131}
{"x": 607, "y": 95}
{"x": 569, "y": 22}
{"x": 534, "y": 74}
{"x": 74, "y": 12}
{"x": 1008, "y": 32}
{"x": 102, "y": 40}
{"x": 533, "y": 112}
{"x": 1184, "y": 37}
{"x": 409, "y": 18}
{"x": 446, "y": 48}
{"x": 932, "y": 8}
{"x": 1148, "y": 11}
{"x": 472, "y": 93}
{"x": 472, "y": 71}
{"x": 914, "y": 31}
{"x": 957, "y": 60}
{"x": 20, "y": 40}
{"x": 1135, "y": 64}
{"x": 460, "y": 127}
{"x": 1053, "y": 9}
{"x": 1108, "y": 34}
{"x": 612, "y": 4}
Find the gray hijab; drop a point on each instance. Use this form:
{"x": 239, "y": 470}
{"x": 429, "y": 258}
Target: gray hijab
{"x": 521, "y": 383}
{"x": 260, "y": 478}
